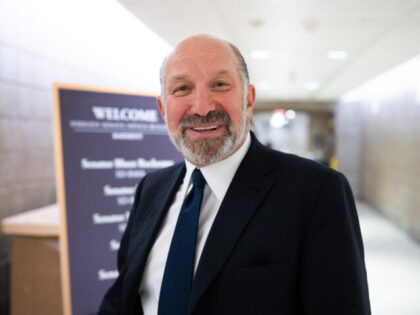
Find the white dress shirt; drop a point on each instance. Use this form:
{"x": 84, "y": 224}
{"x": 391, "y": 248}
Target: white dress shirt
{"x": 218, "y": 177}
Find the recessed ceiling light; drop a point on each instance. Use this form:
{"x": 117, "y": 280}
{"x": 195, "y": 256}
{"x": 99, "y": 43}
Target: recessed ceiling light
{"x": 310, "y": 24}
{"x": 260, "y": 54}
{"x": 256, "y": 23}
{"x": 290, "y": 114}
{"x": 312, "y": 85}
{"x": 337, "y": 55}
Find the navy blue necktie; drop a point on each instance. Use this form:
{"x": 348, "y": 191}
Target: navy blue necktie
{"x": 179, "y": 269}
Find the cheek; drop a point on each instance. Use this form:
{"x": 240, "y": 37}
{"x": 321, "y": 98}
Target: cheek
{"x": 235, "y": 112}
{"x": 175, "y": 112}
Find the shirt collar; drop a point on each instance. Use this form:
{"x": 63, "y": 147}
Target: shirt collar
{"x": 220, "y": 174}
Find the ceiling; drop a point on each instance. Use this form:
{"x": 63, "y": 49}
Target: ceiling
{"x": 297, "y": 35}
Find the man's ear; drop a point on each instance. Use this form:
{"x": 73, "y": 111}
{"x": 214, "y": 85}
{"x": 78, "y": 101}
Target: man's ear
{"x": 161, "y": 107}
{"x": 250, "y": 99}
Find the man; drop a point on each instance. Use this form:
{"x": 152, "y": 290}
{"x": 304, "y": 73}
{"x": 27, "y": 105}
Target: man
{"x": 276, "y": 234}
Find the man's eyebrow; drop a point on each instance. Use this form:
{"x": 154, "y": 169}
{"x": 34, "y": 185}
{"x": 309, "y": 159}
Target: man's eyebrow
{"x": 181, "y": 77}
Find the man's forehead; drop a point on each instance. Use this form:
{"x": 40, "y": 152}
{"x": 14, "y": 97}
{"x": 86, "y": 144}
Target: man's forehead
{"x": 200, "y": 49}
{"x": 199, "y": 53}
{"x": 202, "y": 44}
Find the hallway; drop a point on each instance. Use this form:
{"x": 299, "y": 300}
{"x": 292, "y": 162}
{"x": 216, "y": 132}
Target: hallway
{"x": 393, "y": 265}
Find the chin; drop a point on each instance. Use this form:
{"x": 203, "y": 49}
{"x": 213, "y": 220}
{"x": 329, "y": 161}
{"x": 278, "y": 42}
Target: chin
{"x": 206, "y": 151}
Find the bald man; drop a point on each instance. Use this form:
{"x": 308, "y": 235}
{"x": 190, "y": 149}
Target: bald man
{"x": 237, "y": 228}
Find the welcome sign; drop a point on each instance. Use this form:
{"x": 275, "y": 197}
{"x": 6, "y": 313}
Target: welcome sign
{"x": 106, "y": 142}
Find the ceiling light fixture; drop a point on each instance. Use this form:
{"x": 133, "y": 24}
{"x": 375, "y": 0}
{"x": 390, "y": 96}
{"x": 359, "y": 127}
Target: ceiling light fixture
{"x": 337, "y": 55}
{"x": 257, "y": 23}
{"x": 290, "y": 114}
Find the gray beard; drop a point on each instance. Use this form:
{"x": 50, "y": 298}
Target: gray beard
{"x": 208, "y": 151}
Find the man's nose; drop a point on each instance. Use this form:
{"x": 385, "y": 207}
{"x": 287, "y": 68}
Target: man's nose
{"x": 202, "y": 102}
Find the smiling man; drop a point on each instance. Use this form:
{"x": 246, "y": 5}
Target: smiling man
{"x": 206, "y": 100}
{"x": 236, "y": 228}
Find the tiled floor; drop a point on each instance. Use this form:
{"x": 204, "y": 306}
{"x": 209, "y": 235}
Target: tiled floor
{"x": 393, "y": 265}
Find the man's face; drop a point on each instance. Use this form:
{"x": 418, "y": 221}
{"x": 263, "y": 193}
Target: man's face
{"x": 206, "y": 108}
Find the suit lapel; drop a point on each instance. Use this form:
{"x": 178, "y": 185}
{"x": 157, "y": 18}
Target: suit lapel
{"x": 249, "y": 186}
{"x": 149, "y": 226}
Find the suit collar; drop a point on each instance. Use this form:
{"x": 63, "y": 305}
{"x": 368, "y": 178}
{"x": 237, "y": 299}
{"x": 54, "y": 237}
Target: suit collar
{"x": 249, "y": 186}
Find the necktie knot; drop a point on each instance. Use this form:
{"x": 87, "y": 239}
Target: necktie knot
{"x": 198, "y": 179}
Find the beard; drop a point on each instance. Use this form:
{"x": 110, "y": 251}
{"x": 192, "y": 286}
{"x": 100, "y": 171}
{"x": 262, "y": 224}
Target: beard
{"x": 208, "y": 151}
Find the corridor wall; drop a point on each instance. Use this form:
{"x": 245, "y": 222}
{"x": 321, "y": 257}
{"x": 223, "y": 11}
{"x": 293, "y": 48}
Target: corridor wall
{"x": 378, "y": 143}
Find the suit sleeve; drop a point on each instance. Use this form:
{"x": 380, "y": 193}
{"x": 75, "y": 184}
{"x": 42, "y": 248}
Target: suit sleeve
{"x": 111, "y": 303}
{"x": 333, "y": 278}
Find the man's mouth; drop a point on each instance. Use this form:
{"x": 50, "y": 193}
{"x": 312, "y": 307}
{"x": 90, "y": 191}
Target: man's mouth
{"x": 214, "y": 124}
{"x": 205, "y": 130}
{"x": 208, "y": 128}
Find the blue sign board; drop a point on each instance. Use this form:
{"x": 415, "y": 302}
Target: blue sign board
{"x": 106, "y": 142}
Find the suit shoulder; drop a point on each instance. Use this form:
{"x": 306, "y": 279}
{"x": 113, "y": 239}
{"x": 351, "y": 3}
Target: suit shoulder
{"x": 305, "y": 178}
{"x": 296, "y": 166}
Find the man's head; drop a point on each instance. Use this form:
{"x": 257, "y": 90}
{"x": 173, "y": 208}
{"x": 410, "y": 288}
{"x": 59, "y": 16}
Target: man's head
{"x": 206, "y": 99}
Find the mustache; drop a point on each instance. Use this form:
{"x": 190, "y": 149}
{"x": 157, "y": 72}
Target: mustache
{"x": 216, "y": 116}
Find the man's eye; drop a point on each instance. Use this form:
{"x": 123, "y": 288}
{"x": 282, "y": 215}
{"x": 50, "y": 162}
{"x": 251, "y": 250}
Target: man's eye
{"x": 221, "y": 85}
{"x": 181, "y": 90}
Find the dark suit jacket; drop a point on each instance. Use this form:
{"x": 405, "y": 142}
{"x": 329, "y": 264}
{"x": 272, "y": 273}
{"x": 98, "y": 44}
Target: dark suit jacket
{"x": 286, "y": 240}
